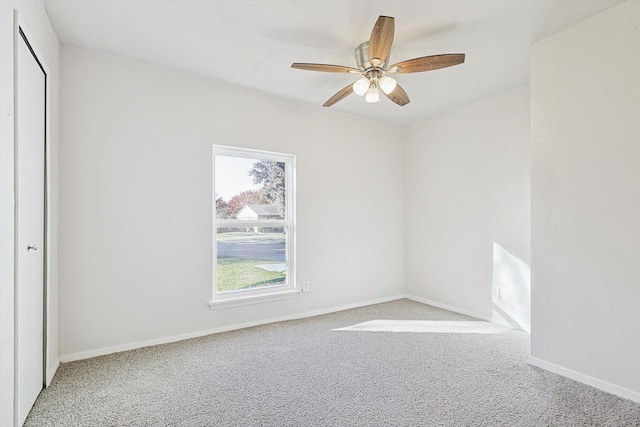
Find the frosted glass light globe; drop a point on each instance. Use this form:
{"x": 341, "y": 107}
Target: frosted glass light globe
{"x": 360, "y": 87}
{"x": 387, "y": 84}
{"x": 372, "y": 96}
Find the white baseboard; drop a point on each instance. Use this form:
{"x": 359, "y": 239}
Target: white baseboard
{"x": 585, "y": 379}
{"x": 448, "y": 307}
{"x": 165, "y": 340}
{"x": 551, "y": 367}
{"x": 51, "y": 372}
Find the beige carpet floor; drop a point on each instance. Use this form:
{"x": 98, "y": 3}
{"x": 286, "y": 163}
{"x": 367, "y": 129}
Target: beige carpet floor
{"x": 306, "y": 373}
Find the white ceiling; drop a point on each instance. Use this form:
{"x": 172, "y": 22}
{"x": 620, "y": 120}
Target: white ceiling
{"x": 252, "y": 43}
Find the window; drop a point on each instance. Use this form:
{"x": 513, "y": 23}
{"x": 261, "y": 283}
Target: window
{"x": 253, "y": 226}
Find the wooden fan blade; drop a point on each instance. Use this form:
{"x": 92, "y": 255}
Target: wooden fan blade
{"x": 325, "y": 67}
{"x": 381, "y": 38}
{"x": 427, "y": 63}
{"x": 398, "y": 95}
{"x": 339, "y": 96}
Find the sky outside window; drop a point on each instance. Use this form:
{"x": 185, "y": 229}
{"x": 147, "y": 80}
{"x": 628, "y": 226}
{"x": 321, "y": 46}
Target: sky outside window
{"x": 232, "y": 176}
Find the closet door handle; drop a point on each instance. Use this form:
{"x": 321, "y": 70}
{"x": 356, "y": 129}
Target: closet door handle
{"x": 34, "y": 247}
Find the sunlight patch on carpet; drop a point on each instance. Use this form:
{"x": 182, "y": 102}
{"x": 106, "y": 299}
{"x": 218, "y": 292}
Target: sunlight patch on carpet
{"x": 427, "y": 326}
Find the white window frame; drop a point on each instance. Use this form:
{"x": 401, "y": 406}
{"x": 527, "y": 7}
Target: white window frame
{"x": 271, "y": 293}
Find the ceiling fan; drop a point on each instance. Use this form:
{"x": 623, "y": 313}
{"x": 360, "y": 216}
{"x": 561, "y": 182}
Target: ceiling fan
{"x": 371, "y": 58}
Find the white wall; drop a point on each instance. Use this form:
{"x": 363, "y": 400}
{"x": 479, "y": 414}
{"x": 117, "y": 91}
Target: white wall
{"x": 467, "y": 208}
{"x": 34, "y": 19}
{"x": 135, "y": 205}
{"x": 585, "y": 101}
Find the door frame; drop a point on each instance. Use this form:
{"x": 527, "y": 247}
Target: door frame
{"x": 21, "y": 31}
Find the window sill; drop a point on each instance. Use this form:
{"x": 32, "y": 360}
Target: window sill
{"x": 252, "y": 299}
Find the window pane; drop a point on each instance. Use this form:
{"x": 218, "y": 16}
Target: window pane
{"x": 250, "y": 258}
{"x": 247, "y": 188}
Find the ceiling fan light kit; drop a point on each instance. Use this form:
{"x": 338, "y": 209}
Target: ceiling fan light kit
{"x": 371, "y": 59}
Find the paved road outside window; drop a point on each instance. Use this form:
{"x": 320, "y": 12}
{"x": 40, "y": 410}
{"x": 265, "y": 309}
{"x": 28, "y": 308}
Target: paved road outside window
{"x": 253, "y": 249}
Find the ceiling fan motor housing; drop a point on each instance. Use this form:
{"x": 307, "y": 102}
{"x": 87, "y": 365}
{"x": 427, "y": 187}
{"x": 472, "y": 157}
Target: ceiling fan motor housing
{"x": 372, "y": 71}
{"x": 362, "y": 56}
